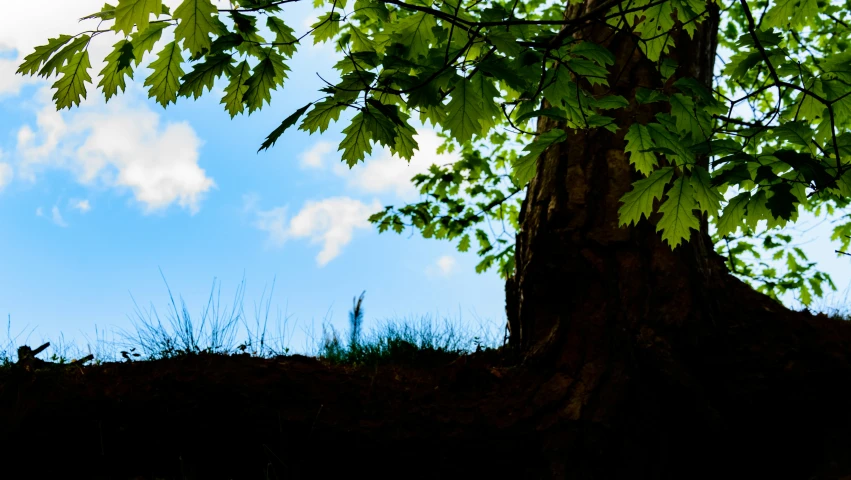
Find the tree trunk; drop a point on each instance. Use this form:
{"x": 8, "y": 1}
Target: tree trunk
{"x": 573, "y": 259}
{"x": 655, "y": 354}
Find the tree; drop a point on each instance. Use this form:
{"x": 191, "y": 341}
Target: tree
{"x": 632, "y": 150}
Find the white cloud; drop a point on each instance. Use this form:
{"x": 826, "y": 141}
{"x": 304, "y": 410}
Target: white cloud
{"x": 56, "y": 216}
{"x": 315, "y": 157}
{"x": 444, "y": 266}
{"x": 82, "y": 205}
{"x": 388, "y": 173}
{"x": 51, "y": 18}
{"x": 120, "y": 145}
{"x": 6, "y": 173}
{"x": 331, "y": 222}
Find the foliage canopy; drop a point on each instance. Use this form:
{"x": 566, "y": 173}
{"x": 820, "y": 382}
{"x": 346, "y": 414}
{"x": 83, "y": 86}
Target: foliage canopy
{"x": 775, "y": 124}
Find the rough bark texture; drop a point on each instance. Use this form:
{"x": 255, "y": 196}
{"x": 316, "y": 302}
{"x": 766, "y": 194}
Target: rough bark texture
{"x": 573, "y": 258}
{"x": 655, "y": 353}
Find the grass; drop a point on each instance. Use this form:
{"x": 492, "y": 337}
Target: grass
{"x": 226, "y": 330}
{"x": 403, "y": 341}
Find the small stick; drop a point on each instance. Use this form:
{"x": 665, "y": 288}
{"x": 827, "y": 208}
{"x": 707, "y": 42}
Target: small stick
{"x": 40, "y": 349}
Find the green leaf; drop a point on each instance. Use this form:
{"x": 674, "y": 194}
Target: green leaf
{"x": 733, "y": 215}
{"x": 321, "y": 115}
{"x": 668, "y": 68}
{"x": 677, "y": 216}
{"x": 267, "y": 75}
{"x": 610, "y": 102}
{"x": 71, "y": 88}
{"x": 741, "y": 62}
{"x": 505, "y": 41}
{"x": 524, "y": 167}
{"x": 782, "y": 202}
{"x": 405, "y": 145}
{"x": 55, "y": 63}
{"x": 379, "y": 122}
{"x": 203, "y": 75}
{"x": 135, "y": 12}
{"x": 596, "y": 75}
{"x": 287, "y": 123}
{"x": 655, "y": 39}
{"x": 696, "y": 124}
{"x": 357, "y": 141}
{"x": 705, "y": 194}
{"x": 118, "y": 65}
{"x": 790, "y": 13}
{"x": 464, "y": 244}
{"x": 144, "y": 41}
{"x": 326, "y": 28}
{"x": 731, "y": 175}
{"x": 415, "y": 32}
{"x": 638, "y": 202}
{"x": 235, "y": 91}
{"x": 465, "y": 112}
{"x": 165, "y": 78}
{"x": 662, "y": 137}
{"x": 595, "y": 52}
{"x": 197, "y": 19}
{"x": 360, "y": 40}
{"x": 33, "y": 61}
{"x": 556, "y": 113}
{"x": 757, "y": 209}
{"x": 482, "y": 87}
{"x": 644, "y": 95}
{"x": 704, "y": 95}
{"x": 107, "y": 12}
{"x": 638, "y": 147}
{"x": 285, "y": 39}
{"x": 811, "y": 169}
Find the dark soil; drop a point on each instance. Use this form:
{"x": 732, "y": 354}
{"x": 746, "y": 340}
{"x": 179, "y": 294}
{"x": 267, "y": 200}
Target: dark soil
{"x": 217, "y": 416}
{"x": 772, "y": 400}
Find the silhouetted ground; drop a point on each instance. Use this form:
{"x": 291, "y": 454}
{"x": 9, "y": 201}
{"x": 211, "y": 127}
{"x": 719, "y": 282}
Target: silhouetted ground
{"x": 758, "y": 412}
{"x": 217, "y": 416}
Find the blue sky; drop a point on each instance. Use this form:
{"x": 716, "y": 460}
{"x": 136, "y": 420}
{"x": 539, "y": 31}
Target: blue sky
{"x": 94, "y": 201}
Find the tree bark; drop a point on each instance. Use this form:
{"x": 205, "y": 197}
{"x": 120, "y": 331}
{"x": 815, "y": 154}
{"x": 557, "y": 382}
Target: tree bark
{"x": 655, "y": 354}
{"x": 574, "y": 261}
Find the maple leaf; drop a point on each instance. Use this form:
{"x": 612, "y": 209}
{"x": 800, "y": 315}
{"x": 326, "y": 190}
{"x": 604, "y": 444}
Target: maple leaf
{"x": 71, "y": 88}
{"x": 129, "y": 13}
{"x": 195, "y": 24}
{"x": 165, "y": 79}
{"x": 677, "y": 217}
{"x": 639, "y": 143}
{"x": 638, "y": 202}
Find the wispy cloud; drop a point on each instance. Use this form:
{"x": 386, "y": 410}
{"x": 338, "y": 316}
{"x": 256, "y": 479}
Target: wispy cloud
{"x": 444, "y": 266}
{"x": 315, "y": 157}
{"x": 83, "y": 206}
{"x": 55, "y": 216}
{"x": 250, "y": 202}
{"x": 330, "y": 222}
{"x": 6, "y": 173}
